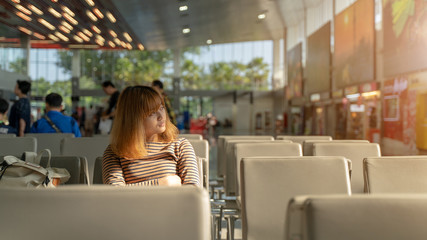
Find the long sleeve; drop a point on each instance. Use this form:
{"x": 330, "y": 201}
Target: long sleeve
{"x": 187, "y": 164}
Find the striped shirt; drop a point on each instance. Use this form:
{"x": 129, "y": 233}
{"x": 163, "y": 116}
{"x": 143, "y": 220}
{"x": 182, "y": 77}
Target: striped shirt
{"x": 163, "y": 159}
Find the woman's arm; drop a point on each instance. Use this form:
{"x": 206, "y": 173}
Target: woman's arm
{"x": 188, "y": 170}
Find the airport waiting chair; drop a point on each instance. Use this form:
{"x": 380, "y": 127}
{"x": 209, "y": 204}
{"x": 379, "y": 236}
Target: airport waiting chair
{"x": 391, "y": 217}
{"x": 356, "y": 152}
{"x": 201, "y": 147}
{"x": 17, "y": 145}
{"x": 8, "y": 135}
{"x": 268, "y": 183}
{"x": 97, "y": 171}
{"x": 230, "y": 165}
{"x": 51, "y": 141}
{"x": 300, "y": 139}
{"x": 191, "y": 136}
{"x": 395, "y": 174}
{"x": 307, "y": 146}
{"x": 87, "y": 147}
{"x": 105, "y": 212}
{"x": 71, "y": 163}
{"x": 221, "y": 154}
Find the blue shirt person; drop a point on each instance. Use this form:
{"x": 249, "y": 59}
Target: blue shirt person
{"x": 20, "y": 117}
{"x": 54, "y": 121}
{"x": 5, "y": 129}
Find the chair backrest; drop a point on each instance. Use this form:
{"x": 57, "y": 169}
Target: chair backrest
{"x": 51, "y": 141}
{"x": 191, "y": 136}
{"x": 7, "y": 135}
{"x": 307, "y": 146}
{"x": 221, "y": 149}
{"x": 356, "y": 152}
{"x": 201, "y": 147}
{"x": 105, "y": 212}
{"x": 230, "y": 166}
{"x": 264, "y": 149}
{"x": 269, "y": 183}
{"x": 97, "y": 171}
{"x": 391, "y": 217}
{"x": 71, "y": 163}
{"x": 17, "y": 145}
{"x": 302, "y": 138}
{"x": 397, "y": 174}
{"x": 89, "y": 147}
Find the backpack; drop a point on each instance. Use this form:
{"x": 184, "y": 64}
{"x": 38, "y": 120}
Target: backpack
{"x": 15, "y": 172}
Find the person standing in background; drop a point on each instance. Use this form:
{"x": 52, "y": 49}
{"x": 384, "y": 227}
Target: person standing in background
{"x": 5, "y": 129}
{"x": 19, "y": 117}
{"x": 110, "y": 90}
{"x": 158, "y": 86}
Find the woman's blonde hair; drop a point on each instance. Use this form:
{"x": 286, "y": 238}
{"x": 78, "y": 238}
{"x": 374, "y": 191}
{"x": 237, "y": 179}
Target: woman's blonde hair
{"x": 128, "y": 137}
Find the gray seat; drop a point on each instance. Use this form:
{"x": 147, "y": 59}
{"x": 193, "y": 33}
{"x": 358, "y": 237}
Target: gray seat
{"x": 88, "y": 147}
{"x": 265, "y": 149}
{"x": 307, "y": 146}
{"x": 397, "y": 174}
{"x": 221, "y": 154}
{"x": 51, "y": 141}
{"x": 268, "y": 183}
{"x": 71, "y": 163}
{"x": 191, "y": 136}
{"x": 97, "y": 171}
{"x": 201, "y": 147}
{"x": 391, "y": 217}
{"x": 356, "y": 152}
{"x": 17, "y": 145}
{"x": 105, "y": 212}
{"x": 8, "y": 135}
{"x": 302, "y": 138}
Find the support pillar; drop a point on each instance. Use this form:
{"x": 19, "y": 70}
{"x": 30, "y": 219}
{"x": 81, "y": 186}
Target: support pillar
{"x": 75, "y": 78}
{"x": 176, "y": 79}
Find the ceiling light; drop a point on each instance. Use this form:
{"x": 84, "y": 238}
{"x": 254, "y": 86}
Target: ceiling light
{"x": 186, "y": 30}
{"x": 67, "y": 10}
{"x": 111, "y": 17}
{"x": 111, "y": 44}
{"x": 67, "y": 25}
{"x": 39, "y": 36}
{"x": 16, "y": 1}
{"x": 22, "y": 9}
{"x": 98, "y": 13}
{"x": 46, "y": 24}
{"x": 91, "y": 16}
{"x": 99, "y": 42}
{"x": 35, "y": 9}
{"x": 23, "y": 16}
{"x": 61, "y": 36}
{"x": 261, "y": 16}
{"x": 64, "y": 29}
{"x": 53, "y": 37}
{"x": 54, "y": 1}
{"x": 100, "y": 38}
{"x": 96, "y": 29}
{"x": 127, "y": 36}
{"x": 129, "y": 46}
{"x": 183, "y": 8}
{"x": 84, "y": 37}
{"x": 114, "y": 34}
{"x": 123, "y": 44}
{"x": 140, "y": 47}
{"x": 25, "y": 30}
{"x": 87, "y": 32}
{"x": 78, "y": 39}
{"x": 117, "y": 41}
{"x": 54, "y": 12}
{"x": 90, "y": 2}
{"x": 209, "y": 41}
{"x": 70, "y": 19}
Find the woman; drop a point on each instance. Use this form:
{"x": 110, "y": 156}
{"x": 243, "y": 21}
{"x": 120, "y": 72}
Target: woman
{"x": 144, "y": 149}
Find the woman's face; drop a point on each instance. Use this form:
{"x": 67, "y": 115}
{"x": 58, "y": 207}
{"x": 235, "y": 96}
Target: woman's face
{"x": 155, "y": 123}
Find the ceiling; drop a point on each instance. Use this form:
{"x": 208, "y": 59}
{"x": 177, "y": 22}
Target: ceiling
{"x": 159, "y": 24}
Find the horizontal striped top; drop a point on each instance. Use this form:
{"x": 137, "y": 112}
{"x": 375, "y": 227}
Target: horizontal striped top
{"x": 163, "y": 159}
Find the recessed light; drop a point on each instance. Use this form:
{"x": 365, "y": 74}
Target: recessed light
{"x": 209, "y": 41}
{"x": 35, "y": 9}
{"x": 111, "y": 17}
{"x": 183, "y": 8}
{"x": 186, "y": 30}
{"x": 141, "y": 47}
{"x": 127, "y": 36}
{"x": 261, "y": 16}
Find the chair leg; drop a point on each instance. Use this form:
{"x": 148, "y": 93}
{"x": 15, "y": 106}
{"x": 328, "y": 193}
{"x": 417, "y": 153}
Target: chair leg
{"x": 230, "y": 227}
{"x": 218, "y": 224}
